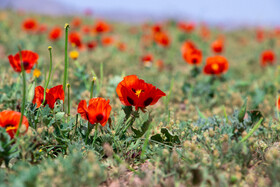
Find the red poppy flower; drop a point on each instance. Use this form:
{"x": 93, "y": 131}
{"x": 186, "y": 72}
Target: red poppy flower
{"x": 157, "y": 28}
{"x": 277, "y": 31}
{"x": 278, "y": 101}
{"x": 161, "y": 38}
{"x": 106, "y": 41}
{"x": 42, "y": 28}
{"x": 55, "y": 33}
{"x": 205, "y": 31}
{"x": 190, "y": 53}
{"x": 98, "y": 110}
{"x": 29, "y": 58}
{"x": 217, "y": 46}
{"x": 29, "y": 24}
{"x": 92, "y": 45}
{"x": 160, "y": 65}
{"x": 193, "y": 56}
{"x": 101, "y": 27}
{"x": 186, "y": 27}
{"x": 10, "y": 121}
{"x": 52, "y": 95}
{"x": 86, "y": 29}
{"x": 121, "y": 46}
{"x": 267, "y": 57}
{"x": 260, "y": 35}
{"x": 216, "y": 65}
{"x": 133, "y": 91}
{"x": 76, "y": 22}
{"x": 187, "y": 45}
{"x": 147, "y": 60}
{"x": 75, "y": 39}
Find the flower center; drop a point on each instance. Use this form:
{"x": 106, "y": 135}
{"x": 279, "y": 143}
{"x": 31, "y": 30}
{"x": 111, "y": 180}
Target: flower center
{"x": 99, "y": 117}
{"x": 215, "y": 67}
{"x": 9, "y": 127}
{"x": 138, "y": 92}
{"x": 25, "y": 64}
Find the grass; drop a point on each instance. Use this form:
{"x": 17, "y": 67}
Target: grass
{"x": 201, "y": 133}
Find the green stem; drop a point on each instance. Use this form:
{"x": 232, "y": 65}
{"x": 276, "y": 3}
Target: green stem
{"x": 91, "y": 87}
{"x": 95, "y": 135}
{"x": 169, "y": 93}
{"x": 128, "y": 123}
{"x": 88, "y": 131}
{"x": 66, "y": 27}
{"x": 252, "y": 131}
{"x": 225, "y": 113}
{"x": 23, "y": 94}
{"x": 49, "y": 77}
{"x": 68, "y": 98}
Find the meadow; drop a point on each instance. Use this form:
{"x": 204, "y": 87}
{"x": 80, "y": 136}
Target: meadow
{"x": 90, "y": 102}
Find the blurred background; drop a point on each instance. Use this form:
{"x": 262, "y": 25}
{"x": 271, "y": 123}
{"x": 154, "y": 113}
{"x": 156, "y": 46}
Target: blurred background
{"x": 216, "y": 12}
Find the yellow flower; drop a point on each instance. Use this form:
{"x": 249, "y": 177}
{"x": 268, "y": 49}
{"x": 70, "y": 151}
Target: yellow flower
{"x": 74, "y": 54}
{"x": 36, "y": 73}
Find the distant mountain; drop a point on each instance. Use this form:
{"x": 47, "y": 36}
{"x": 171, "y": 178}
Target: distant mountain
{"x": 51, "y": 7}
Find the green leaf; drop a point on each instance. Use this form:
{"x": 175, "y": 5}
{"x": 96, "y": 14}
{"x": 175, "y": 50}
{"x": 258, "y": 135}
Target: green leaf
{"x": 242, "y": 111}
{"x": 127, "y": 110}
{"x": 59, "y": 115}
{"x": 144, "y": 128}
{"x": 169, "y": 137}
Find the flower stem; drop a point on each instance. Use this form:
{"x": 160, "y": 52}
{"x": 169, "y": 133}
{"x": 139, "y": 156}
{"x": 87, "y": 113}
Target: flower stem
{"x": 128, "y": 123}
{"x": 88, "y": 131}
{"x": 66, "y": 27}
{"x": 23, "y": 94}
{"x": 49, "y": 77}
{"x": 68, "y": 98}
{"x": 252, "y": 131}
{"x": 95, "y": 135}
{"x": 91, "y": 87}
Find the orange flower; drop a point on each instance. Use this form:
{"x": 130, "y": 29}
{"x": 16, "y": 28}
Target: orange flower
{"x": 267, "y": 57}
{"x": 101, "y": 27}
{"x": 52, "y": 95}
{"x": 147, "y": 60}
{"x": 216, "y": 65}
{"x": 29, "y": 58}
{"x": 29, "y": 24}
{"x": 193, "y": 56}
{"x": 10, "y": 121}
{"x": 86, "y": 29}
{"x": 133, "y": 91}
{"x": 187, "y": 45}
{"x": 98, "y": 110}
{"x": 260, "y": 35}
{"x": 55, "y": 33}
{"x": 121, "y": 46}
{"x": 76, "y": 22}
{"x": 156, "y": 28}
{"x": 42, "y": 28}
{"x": 186, "y": 27}
{"x": 204, "y": 31}
{"x": 278, "y": 103}
{"x": 161, "y": 38}
{"x": 108, "y": 40}
{"x": 75, "y": 39}
{"x": 190, "y": 53}
{"x": 217, "y": 46}
{"x": 160, "y": 65}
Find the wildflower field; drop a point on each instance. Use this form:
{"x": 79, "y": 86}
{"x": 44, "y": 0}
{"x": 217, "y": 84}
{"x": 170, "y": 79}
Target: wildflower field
{"x": 90, "y": 102}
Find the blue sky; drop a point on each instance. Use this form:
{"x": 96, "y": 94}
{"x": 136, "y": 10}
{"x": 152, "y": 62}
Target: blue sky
{"x": 240, "y": 11}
